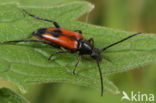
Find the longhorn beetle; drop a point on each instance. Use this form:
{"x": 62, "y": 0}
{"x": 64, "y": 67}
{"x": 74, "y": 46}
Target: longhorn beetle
{"x": 72, "y": 41}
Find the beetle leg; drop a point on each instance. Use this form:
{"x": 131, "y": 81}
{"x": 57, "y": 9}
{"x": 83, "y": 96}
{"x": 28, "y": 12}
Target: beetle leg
{"x": 40, "y": 18}
{"x": 16, "y": 41}
{"x": 79, "y": 31}
{"x": 57, "y": 52}
{"x": 79, "y": 57}
{"x": 45, "y": 42}
{"x": 91, "y": 41}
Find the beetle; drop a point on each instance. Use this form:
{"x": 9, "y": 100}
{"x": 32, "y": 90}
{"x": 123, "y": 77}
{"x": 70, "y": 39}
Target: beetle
{"x": 72, "y": 41}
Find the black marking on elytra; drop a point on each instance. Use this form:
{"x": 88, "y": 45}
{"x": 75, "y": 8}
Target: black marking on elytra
{"x": 55, "y": 33}
{"x": 73, "y": 38}
{"x": 39, "y": 32}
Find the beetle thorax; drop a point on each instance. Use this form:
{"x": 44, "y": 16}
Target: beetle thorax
{"x": 84, "y": 47}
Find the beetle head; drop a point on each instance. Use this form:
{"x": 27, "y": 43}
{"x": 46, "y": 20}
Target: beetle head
{"x": 96, "y": 54}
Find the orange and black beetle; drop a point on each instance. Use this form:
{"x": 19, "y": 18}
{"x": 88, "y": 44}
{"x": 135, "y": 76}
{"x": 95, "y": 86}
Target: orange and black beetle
{"x": 72, "y": 41}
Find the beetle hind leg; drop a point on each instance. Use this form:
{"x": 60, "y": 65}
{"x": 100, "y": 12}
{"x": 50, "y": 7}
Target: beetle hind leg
{"x": 57, "y": 52}
{"x": 78, "y": 61}
{"x": 79, "y": 31}
{"x": 40, "y": 18}
{"x": 26, "y": 40}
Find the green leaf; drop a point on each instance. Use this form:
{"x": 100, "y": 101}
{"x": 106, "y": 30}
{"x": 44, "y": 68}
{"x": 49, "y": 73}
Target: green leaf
{"x": 8, "y": 96}
{"x": 25, "y": 63}
{"x": 38, "y": 3}
{"x": 6, "y": 15}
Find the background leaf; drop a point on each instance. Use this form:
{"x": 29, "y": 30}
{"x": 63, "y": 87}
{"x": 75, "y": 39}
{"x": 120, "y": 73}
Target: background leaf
{"x": 8, "y": 96}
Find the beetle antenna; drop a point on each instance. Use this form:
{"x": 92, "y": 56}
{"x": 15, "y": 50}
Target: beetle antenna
{"x": 101, "y": 78}
{"x": 119, "y": 42}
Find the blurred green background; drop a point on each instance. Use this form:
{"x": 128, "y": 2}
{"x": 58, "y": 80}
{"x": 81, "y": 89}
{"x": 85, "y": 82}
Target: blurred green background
{"x": 129, "y": 15}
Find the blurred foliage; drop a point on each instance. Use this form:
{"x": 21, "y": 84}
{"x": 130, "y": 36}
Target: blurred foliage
{"x": 7, "y": 96}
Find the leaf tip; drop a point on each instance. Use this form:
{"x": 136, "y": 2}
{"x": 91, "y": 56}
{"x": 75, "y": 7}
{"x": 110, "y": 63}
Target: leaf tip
{"x": 92, "y": 6}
